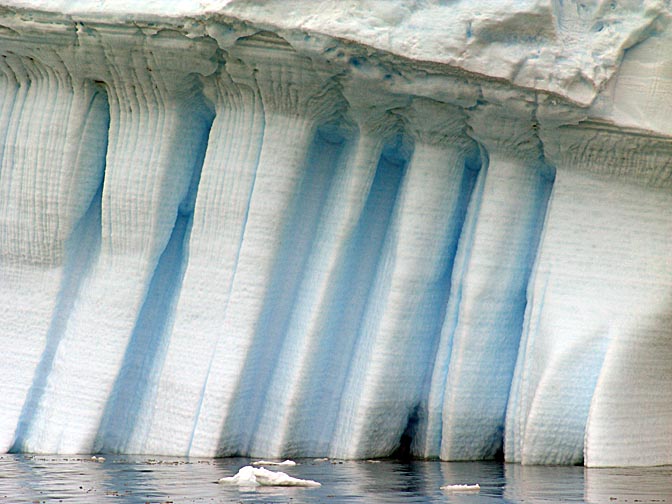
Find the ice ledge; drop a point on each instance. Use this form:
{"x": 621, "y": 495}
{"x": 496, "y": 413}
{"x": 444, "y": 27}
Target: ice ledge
{"x": 571, "y": 49}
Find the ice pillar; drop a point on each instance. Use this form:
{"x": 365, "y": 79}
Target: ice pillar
{"x": 53, "y": 129}
{"x": 384, "y": 389}
{"x": 601, "y": 283}
{"x": 158, "y": 125}
{"x": 301, "y": 404}
{"x": 221, "y": 209}
{"x": 483, "y": 321}
{"x": 295, "y": 99}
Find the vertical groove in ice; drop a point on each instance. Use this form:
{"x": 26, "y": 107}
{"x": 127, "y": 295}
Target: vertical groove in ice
{"x": 398, "y": 332}
{"x": 484, "y": 325}
{"x": 81, "y": 250}
{"x": 427, "y": 442}
{"x": 304, "y": 216}
{"x": 54, "y": 128}
{"x": 298, "y": 413}
{"x": 295, "y": 101}
{"x": 156, "y": 132}
{"x": 128, "y": 413}
{"x": 220, "y": 214}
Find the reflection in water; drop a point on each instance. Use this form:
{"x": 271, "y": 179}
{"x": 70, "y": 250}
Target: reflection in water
{"x": 651, "y": 484}
{"x": 139, "y": 479}
{"x": 490, "y": 476}
{"x": 543, "y": 483}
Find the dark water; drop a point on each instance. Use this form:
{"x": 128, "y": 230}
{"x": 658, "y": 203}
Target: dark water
{"x": 140, "y": 479}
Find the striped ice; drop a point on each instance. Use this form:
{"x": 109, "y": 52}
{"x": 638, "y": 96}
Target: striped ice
{"x": 225, "y": 235}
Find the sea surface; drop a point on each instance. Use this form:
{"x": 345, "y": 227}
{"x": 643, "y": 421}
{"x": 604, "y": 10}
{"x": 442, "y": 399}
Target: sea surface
{"x": 131, "y": 479}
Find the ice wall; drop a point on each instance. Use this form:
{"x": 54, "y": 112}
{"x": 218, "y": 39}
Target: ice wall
{"x": 239, "y": 234}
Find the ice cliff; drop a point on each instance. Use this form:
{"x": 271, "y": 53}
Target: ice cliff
{"x": 339, "y": 229}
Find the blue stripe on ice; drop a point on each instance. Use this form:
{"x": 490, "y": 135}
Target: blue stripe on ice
{"x": 128, "y": 410}
{"x": 299, "y": 231}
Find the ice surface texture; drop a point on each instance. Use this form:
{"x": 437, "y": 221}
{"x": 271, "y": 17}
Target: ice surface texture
{"x": 218, "y": 239}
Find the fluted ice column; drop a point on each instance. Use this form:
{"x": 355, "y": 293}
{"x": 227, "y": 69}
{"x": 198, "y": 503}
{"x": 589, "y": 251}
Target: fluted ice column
{"x": 295, "y": 100}
{"x": 54, "y": 131}
{"x": 158, "y": 127}
{"x": 383, "y": 392}
{"x": 222, "y": 204}
{"x": 479, "y": 340}
{"x": 616, "y": 318}
{"x": 601, "y": 283}
{"x": 301, "y": 402}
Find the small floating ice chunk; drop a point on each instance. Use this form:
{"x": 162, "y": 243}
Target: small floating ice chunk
{"x": 462, "y": 488}
{"x": 244, "y": 477}
{"x": 253, "y": 476}
{"x": 100, "y": 460}
{"x": 274, "y": 463}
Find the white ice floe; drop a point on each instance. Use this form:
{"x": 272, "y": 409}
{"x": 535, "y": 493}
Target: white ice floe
{"x": 462, "y": 488}
{"x": 258, "y": 476}
{"x": 289, "y": 463}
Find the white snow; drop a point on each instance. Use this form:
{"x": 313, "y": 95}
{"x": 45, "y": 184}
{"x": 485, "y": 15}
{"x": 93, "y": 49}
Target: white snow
{"x": 253, "y": 476}
{"x": 567, "y": 48}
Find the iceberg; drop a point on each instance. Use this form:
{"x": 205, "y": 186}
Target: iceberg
{"x": 310, "y": 229}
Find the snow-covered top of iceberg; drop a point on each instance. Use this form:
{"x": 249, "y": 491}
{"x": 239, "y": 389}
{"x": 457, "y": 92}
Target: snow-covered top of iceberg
{"x": 567, "y": 48}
